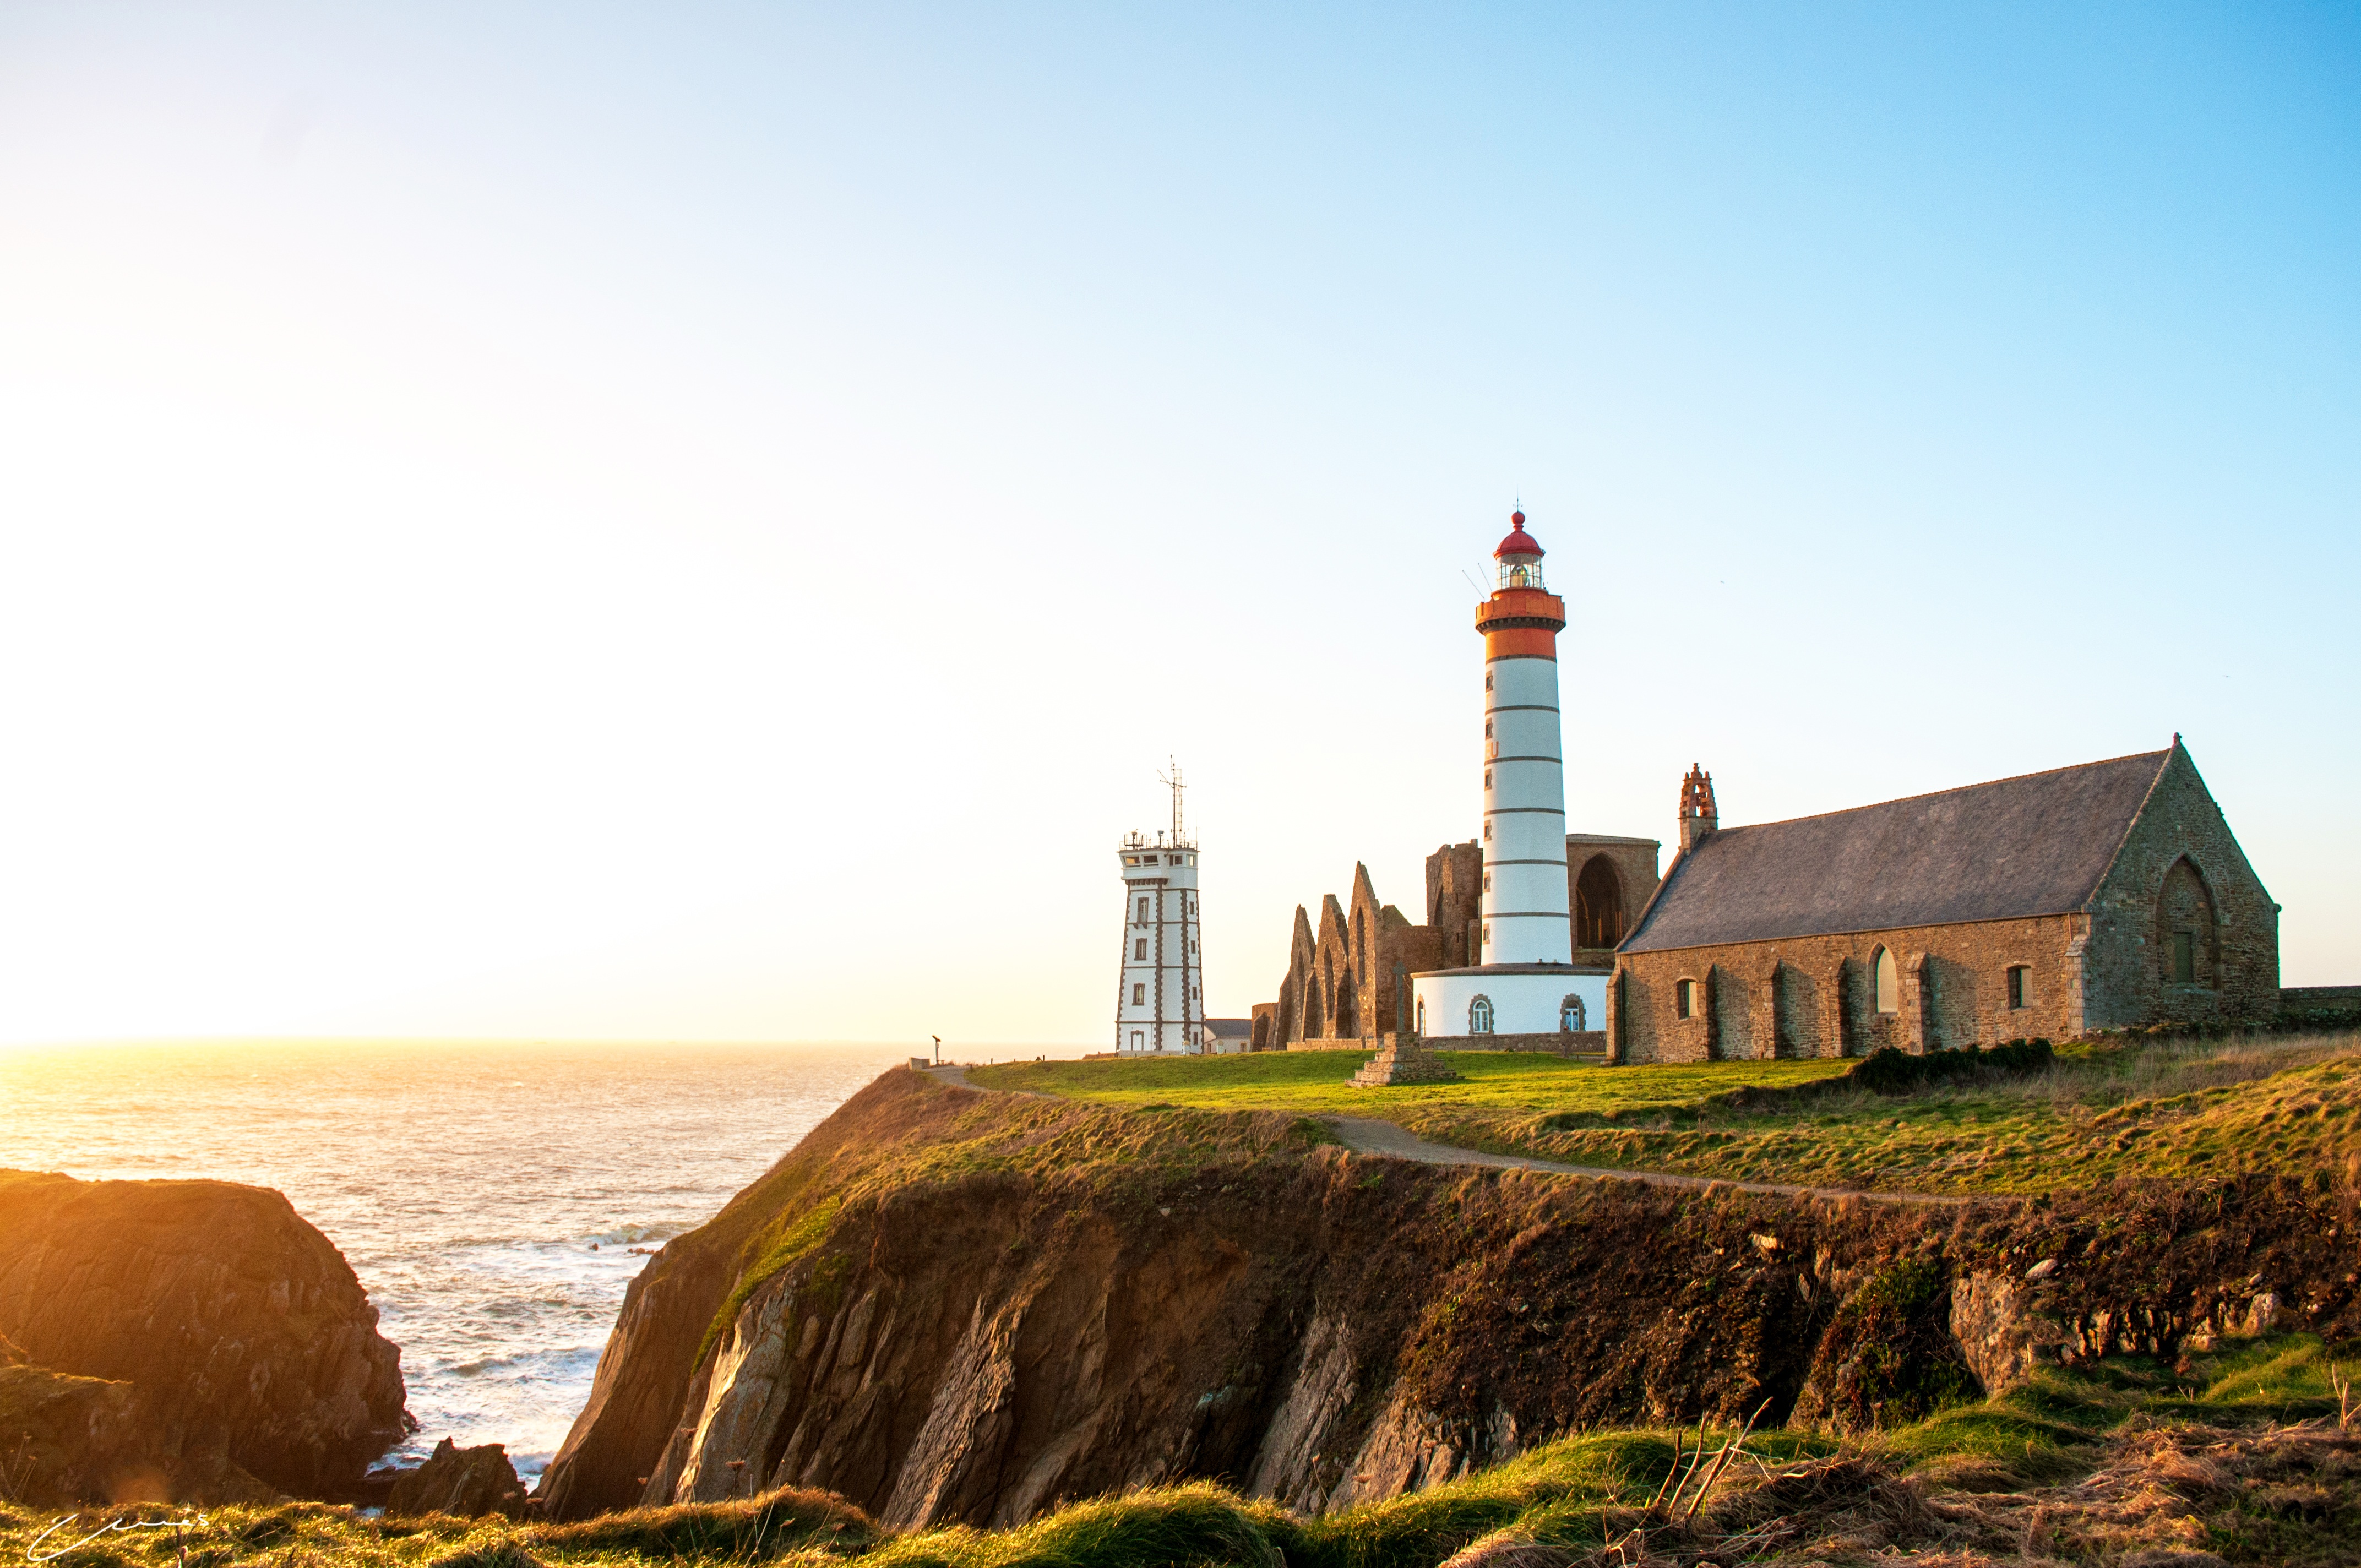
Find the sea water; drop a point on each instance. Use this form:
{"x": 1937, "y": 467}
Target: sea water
{"x": 495, "y": 1200}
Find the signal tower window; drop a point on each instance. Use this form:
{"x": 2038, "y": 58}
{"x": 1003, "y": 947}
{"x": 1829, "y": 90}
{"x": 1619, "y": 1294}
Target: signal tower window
{"x": 1139, "y": 995}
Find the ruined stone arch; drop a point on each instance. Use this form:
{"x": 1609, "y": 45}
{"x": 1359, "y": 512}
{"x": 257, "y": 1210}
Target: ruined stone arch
{"x": 1348, "y": 1009}
{"x": 1598, "y": 916}
{"x": 2188, "y": 928}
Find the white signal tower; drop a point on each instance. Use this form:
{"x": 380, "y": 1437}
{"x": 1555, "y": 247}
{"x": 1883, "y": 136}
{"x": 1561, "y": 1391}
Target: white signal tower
{"x": 1160, "y": 1004}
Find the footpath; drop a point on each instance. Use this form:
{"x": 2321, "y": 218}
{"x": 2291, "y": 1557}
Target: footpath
{"x": 1373, "y": 1135}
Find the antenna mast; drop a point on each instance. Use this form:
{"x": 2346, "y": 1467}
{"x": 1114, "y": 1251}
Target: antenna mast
{"x": 1177, "y": 787}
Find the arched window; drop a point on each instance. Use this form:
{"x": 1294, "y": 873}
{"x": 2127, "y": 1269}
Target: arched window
{"x": 1479, "y": 1016}
{"x": 2186, "y": 925}
{"x": 1422, "y": 1015}
{"x": 1572, "y": 1016}
{"x": 1889, "y": 982}
{"x": 1598, "y": 905}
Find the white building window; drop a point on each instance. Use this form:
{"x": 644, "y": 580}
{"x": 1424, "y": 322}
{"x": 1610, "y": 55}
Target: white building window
{"x": 1572, "y": 1016}
{"x": 1139, "y": 995}
{"x": 1421, "y": 1001}
{"x": 1139, "y": 947}
{"x": 1143, "y": 912}
{"x": 1479, "y": 1016}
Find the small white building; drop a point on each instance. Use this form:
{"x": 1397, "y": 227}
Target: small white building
{"x": 1161, "y": 1001}
{"x": 1228, "y": 1037}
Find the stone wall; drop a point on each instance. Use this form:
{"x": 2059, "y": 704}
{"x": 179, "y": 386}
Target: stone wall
{"x": 1573, "y": 1042}
{"x": 1816, "y": 996}
{"x": 1631, "y": 863}
{"x": 2180, "y": 870}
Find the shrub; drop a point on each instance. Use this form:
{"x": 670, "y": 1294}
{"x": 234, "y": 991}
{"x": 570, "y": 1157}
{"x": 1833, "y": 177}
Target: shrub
{"x": 1890, "y": 1071}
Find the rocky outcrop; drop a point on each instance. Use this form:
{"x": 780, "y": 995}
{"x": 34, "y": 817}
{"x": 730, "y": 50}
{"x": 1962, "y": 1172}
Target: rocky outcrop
{"x": 229, "y": 1332}
{"x": 466, "y": 1482}
{"x": 949, "y": 1307}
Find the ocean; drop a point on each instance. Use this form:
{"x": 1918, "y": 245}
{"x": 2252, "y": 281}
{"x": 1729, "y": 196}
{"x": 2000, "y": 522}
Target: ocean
{"x": 489, "y": 1196}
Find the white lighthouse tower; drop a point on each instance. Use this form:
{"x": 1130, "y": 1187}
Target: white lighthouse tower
{"x": 1160, "y": 1005}
{"x": 1527, "y": 983}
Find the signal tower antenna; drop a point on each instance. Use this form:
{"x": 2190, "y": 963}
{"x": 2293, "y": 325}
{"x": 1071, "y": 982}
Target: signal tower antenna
{"x": 1177, "y": 787}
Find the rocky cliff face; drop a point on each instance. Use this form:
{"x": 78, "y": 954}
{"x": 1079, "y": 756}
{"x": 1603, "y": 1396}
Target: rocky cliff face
{"x": 948, "y": 1306}
{"x": 196, "y": 1340}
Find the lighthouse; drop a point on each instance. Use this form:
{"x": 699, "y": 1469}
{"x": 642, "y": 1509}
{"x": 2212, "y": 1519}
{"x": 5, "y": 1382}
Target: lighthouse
{"x": 1160, "y": 1000}
{"x": 1527, "y": 983}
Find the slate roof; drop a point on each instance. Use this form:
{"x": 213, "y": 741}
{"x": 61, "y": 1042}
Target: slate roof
{"x": 2034, "y": 845}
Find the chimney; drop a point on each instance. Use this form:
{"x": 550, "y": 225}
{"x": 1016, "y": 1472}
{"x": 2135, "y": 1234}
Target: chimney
{"x": 1697, "y": 815}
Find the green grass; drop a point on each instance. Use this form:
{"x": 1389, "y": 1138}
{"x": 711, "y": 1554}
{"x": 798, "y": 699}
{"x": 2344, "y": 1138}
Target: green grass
{"x": 1319, "y": 1083}
{"x": 2185, "y": 1110}
{"x": 1570, "y": 1493}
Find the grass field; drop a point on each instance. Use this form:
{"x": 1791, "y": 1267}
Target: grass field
{"x": 2188, "y": 1110}
{"x": 2133, "y": 1458}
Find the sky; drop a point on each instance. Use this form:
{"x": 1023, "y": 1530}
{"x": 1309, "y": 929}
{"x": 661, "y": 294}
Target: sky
{"x": 706, "y": 522}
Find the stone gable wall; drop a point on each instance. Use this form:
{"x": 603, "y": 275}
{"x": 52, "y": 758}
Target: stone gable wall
{"x": 2142, "y": 901}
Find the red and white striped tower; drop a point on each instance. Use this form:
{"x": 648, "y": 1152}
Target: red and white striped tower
{"x": 1526, "y": 983}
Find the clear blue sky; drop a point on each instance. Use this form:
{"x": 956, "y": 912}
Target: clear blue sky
{"x": 697, "y": 521}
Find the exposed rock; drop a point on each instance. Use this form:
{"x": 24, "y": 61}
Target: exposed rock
{"x": 466, "y": 1482}
{"x": 1999, "y": 1334}
{"x": 250, "y": 1350}
{"x": 72, "y": 1440}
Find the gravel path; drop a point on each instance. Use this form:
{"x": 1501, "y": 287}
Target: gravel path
{"x": 1368, "y": 1135}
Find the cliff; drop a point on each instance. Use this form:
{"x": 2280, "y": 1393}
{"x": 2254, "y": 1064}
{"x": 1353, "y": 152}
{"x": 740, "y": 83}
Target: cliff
{"x": 954, "y": 1307}
{"x": 190, "y": 1340}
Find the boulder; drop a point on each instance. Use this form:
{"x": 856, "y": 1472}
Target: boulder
{"x": 463, "y": 1482}
{"x": 235, "y": 1329}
